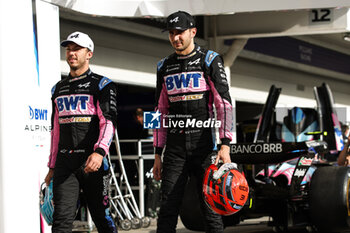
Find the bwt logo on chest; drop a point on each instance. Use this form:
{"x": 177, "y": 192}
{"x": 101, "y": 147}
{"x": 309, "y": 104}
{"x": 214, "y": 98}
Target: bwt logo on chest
{"x": 72, "y": 102}
{"x": 183, "y": 80}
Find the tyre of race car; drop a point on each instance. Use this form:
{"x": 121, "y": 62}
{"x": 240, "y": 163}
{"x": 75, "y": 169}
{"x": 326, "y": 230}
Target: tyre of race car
{"x": 190, "y": 212}
{"x": 329, "y": 199}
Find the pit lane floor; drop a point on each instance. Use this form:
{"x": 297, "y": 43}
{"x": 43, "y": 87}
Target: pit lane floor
{"x": 248, "y": 226}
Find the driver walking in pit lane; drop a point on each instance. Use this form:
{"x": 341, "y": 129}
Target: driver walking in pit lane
{"x": 189, "y": 82}
{"x": 83, "y": 122}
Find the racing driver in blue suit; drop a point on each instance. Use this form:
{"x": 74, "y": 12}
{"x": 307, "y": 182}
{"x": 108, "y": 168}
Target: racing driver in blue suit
{"x": 83, "y": 122}
{"x": 189, "y": 83}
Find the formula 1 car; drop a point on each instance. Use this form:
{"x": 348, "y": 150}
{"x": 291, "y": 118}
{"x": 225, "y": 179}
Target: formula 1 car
{"x": 291, "y": 171}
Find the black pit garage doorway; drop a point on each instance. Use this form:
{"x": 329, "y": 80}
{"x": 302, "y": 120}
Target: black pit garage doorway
{"x": 129, "y": 98}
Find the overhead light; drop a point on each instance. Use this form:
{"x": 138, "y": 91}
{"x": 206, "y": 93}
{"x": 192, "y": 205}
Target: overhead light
{"x": 347, "y": 37}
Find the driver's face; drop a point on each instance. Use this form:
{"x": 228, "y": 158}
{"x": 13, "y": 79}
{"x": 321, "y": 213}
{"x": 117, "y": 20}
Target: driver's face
{"x": 181, "y": 40}
{"x": 77, "y": 56}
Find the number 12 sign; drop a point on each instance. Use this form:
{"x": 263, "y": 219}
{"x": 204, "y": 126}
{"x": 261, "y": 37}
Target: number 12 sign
{"x": 321, "y": 16}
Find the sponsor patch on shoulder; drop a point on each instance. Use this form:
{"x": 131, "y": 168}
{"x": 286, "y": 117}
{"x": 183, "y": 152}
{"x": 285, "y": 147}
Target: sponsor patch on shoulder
{"x": 210, "y": 57}
{"x": 104, "y": 81}
{"x": 160, "y": 64}
{"x": 53, "y": 90}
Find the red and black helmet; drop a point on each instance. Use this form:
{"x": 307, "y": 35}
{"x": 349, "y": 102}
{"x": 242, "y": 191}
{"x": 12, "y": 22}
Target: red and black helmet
{"x": 227, "y": 191}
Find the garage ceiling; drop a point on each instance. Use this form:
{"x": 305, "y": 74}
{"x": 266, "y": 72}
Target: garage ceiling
{"x": 296, "y": 23}
{"x": 162, "y": 8}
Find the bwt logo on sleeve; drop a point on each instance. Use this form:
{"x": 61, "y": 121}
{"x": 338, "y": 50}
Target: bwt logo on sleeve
{"x": 151, "y": 120}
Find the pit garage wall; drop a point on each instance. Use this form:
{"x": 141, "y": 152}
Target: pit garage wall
{"x": 254, "y": 72}
{"x": 121, "y": 56}
{"x": 47, "y": 35}
{"x": 25, "y": 109}
{"x": 131, "y": 58}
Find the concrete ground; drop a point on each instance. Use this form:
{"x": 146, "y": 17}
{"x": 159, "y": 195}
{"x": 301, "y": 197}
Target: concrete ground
{"x": 251, "y": 225}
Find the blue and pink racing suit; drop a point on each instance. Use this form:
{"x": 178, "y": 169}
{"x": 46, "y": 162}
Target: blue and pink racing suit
{"x": 83, "y": 121}
{"x": 187, "y": 89}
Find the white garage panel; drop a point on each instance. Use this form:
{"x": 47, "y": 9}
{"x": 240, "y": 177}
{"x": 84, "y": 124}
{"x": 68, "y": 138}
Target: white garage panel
{"x": 25, "y": 103}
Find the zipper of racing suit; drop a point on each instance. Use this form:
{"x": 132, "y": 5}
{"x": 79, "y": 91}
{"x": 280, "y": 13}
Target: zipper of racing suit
{"x": 184, "y": 65}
